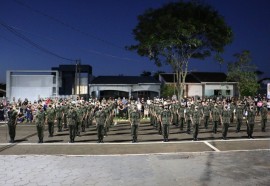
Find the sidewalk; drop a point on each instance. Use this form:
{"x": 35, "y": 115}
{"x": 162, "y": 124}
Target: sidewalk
{"x": 189, "y": 169}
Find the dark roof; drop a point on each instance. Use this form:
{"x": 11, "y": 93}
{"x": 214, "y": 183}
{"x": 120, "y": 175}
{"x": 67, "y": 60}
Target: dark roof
{"x": 123, "y": 80}
{"x": 170, "y": 79}
{"x": 198, "y": 77}
{"x": 210, "y": 76}
{"x": 72, "y": 68}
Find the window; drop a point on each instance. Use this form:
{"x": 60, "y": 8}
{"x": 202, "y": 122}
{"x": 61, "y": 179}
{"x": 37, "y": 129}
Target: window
{"x": 217, "y": 93}
{"x": 228, "y": 92}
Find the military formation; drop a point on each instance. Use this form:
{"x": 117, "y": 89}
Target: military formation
{"x": 187, "y": 115}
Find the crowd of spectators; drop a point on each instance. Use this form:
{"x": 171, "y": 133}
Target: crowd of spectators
{"x": 26, "y": 109}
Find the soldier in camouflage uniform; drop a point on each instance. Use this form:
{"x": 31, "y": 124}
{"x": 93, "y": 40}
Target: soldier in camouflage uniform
{"x": 72, "y": 118}
{"x": 134, "y": 119}
{"x": 233, "y": 111}
{"x": 12, "y": 122}
{"x": 51, "y": 116}
{"x": 195, "y": 119}
{"x": 100, "y": 118}
{"x": 264, "y": 113}
{"x": 181, "y": 114}
{"x": 251, "y": 113}
{"x": 188, "y": 114}
{"x": 225, "y": 121}
{"x": 206, "y": 115}
{"x": 216, "y": 117}
{"x": 166, "y": 120}
{"x": 239, "y": 113}
{"x": 40, "y": 120}
{"x": 65, "y": 111}
{"x": 80, "y": 116}
{"x": 173, "y": 110}
{"x": 159, "y": 109}
{"x": 59, "y": 117}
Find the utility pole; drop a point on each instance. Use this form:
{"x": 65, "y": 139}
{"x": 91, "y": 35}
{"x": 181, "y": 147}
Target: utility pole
{"x": 76, "y": 75}
{"x": 79, "y": 79}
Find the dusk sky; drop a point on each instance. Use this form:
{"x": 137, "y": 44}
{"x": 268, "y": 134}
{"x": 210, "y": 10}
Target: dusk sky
{"x": 97, "y": 31}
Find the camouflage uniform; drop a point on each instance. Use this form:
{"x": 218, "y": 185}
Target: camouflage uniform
{"x": 100, "y": 118}
{"x": 239, "y": 112}
{"x": 206, "y": 113}
{"x": 79, "y": 121}
{"x": 51, "y": 115}
{"x": 215, "y": 118}
{"x": 40, "y": 124}
{"x": 188, "y": 114}
{"x": 166, "y": 118}
{"x": 59, "y": 117}
{"x": 226, "y": 118}
{"x": 134, "y": 118}
{"x": 12, "y": 122}
{"x": 72, "y": 118}
{"x": 196, "y": 117}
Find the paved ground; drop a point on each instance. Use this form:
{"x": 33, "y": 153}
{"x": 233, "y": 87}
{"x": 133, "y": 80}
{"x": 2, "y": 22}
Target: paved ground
{"x": 210, "y": 161}
{"x": 208, "y": 168}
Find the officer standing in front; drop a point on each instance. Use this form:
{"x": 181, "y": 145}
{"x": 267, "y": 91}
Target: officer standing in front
{"x": 215, "y": 113}
{"x": 195, "y": 119}
{"x": 72, "y": 118}
{"x": 134, "y": 119}
{"x": 251, "y": 113}
{"x": 12, "y": 122}
{"x": 51, "y": 118}
{"x": 165, "y": 119}
{"x": 59, "y": 117}
{"x": 40, "y": 120}
{"x": 100, "y": 118}
{"x": 225, "y": 121}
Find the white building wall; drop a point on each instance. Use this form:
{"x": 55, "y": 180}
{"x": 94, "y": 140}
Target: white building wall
{"x": 194, "y": 90}
{"x": 125, "y": 88}
{"x": 31, "y": 86}
{"x": 209, "y": 89}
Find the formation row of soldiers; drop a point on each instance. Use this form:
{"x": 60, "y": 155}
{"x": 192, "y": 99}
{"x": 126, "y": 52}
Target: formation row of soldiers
{"x": 192, "y": 115}
{"x": 75, "y": 117}
{"x": 79, "y": 116}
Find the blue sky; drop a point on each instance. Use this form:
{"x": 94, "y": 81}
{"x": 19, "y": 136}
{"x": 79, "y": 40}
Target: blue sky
{"x": 104, "y": 28}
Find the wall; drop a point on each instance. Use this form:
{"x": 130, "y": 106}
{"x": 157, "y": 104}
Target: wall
{"x": 31, "y": 86}
{"x": 209, "y": 89}
{"x": 194, "y": 90}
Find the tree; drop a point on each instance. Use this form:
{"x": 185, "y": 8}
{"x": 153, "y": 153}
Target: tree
{"x": 177, "y": 32}
{"x": 243, "y": 72}
{"x": 167, "y": 90}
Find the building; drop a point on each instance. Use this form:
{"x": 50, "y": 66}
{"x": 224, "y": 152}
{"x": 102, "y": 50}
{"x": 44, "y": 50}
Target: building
{"x": 2, "y": 90}
{"x": 124, "y": 86}
{"x": 31, "y": 84}
{"x": 67, "y": 76}
{"x": 204, "y": 84}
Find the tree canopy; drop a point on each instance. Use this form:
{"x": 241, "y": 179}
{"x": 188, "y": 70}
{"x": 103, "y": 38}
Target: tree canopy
{"x": 243, "y": 72}
{"x": 179, "y": 31}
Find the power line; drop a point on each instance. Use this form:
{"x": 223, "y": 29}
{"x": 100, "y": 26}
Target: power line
{"x": 84, "y": 49}
{"x": 13, "y": 31}
{"x": 67, "y": 25}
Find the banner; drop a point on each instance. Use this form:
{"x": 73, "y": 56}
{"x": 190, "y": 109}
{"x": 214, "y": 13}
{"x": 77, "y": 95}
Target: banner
{"x": 268, "y": 90}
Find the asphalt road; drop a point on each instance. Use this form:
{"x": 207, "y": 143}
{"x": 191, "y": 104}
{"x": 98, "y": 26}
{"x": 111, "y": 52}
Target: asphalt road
{"x": 181, "y": 161}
